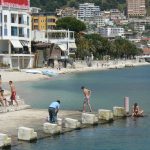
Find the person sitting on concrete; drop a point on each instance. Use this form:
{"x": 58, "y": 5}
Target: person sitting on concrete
{"x": 53, "y": 110}
{"x": 2, "y": 98}
{"x": 136, "y": 111}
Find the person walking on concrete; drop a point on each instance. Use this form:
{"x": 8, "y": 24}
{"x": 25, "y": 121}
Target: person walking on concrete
{"x": 53, "y": 110}
{"x": 87, "y": 94}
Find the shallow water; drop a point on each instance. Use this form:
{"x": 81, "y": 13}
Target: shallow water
{"x": 108, "y": 89}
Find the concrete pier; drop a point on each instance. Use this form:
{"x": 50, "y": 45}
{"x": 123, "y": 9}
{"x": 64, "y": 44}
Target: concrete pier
{"x": 37, "y": 119}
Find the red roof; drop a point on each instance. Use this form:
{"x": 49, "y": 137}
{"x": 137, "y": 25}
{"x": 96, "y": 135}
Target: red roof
{"x": 20, "y": 3}
{"x": 146, "y": 51}
{"x": 146, "y": 39}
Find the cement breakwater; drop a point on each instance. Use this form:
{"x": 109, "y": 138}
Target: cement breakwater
{"x": 35, "y": 118}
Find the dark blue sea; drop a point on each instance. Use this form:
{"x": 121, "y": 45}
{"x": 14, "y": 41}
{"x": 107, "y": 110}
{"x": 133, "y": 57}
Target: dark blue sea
{"x": 108, "y": 89}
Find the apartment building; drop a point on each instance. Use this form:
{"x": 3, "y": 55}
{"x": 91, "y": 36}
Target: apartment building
{"x": 111, "y": 32}
{"x": 15, "y": 34}
{"x": 88, "y": 10}
{"x": 43, "y": 21}
{"x": 136, "y": 8}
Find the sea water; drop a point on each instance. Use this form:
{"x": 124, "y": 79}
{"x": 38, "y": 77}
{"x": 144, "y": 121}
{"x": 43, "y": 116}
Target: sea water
{"x": 108, "y": 89}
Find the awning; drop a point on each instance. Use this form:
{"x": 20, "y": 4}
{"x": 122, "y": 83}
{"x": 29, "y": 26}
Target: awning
{"x": 72, "y": 45}
{"x": 16, "y": 43}
{"x": 63, "y": 47}
{"x": 25, "y": 43}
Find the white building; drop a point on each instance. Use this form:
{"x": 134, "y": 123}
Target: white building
{"x": 99, "y": 21}
{"x": 112, "y": 32}
{"x": 88, "y": 10}
{"x": 15, "y": 34}
{"x": 63, "y": 38}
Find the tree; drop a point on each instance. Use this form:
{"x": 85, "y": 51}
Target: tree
{"x": 70, "y": 23}
{"x": 125, "y": 48}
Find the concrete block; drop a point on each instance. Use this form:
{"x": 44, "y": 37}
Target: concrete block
{"x": 26, "y": 134}
{"x": 119, "y": 111}
{"x": 59, "y": 121}
{"x": 89, "y": 118}
{"x": 104, "y": 114}
{"x": 51, "y": 128}
{"x": 71, "y": 123}
{"x": 4, "y": 140}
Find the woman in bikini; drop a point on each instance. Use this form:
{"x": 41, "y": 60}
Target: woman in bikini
{"x": 136, "y": 111}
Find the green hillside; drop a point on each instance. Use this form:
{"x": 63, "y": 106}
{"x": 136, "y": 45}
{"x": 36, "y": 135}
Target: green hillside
{"x": 51, "y": 5}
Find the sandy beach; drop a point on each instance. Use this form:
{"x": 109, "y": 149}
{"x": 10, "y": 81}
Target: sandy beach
{"x": 80, "y": 66}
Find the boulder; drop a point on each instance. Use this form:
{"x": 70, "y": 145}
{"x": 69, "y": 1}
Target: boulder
{"x": 51, "y": 128}
{"x": 104, "y": 114}
{"x": 4, "y": 140}
{"x": 71, "y": 123}
{"x": 89, "y": 118}
{"x": 119, "y": 111}
{"x": 26, "y": 134}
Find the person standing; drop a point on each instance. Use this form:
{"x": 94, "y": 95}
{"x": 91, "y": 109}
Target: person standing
{"x": 13, "y": 92}
{"x": 53, "y": 110}
{"x": 87, "y": 94}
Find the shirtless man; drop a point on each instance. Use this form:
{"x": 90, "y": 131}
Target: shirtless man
{"x": 87, "y": 94}
{"x": 13, "y": 92}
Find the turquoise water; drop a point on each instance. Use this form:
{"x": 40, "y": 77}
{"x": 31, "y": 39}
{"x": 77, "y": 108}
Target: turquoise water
{"x": 108, "y": 89}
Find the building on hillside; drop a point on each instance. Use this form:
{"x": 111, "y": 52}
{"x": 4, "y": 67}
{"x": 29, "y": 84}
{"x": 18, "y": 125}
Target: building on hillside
{"x": 67, "y": 12}
{"x": 99, "y": 21}
{"x": 43, "y": 21}
{"x": 35, "y": 10}
{"x": 58, "y": 45}
{"x": 15, "y": 34}
{"x": 88, "y": 10}
{"x": 112, "y": 32}
{"x": 115, "y": 14}
{"x": 136, "y": 8}
{"x": 139, "y": 28}
{"x": 143, "y": 21}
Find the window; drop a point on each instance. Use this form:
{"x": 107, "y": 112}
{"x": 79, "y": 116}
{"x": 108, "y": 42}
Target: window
{"x": 0, "y": 18}
{"x": 51, "y": 20}
{"x": 27, "y": 20}
{"x": 21, "y": 33}
{"x": 5, "y": 31}
{"x": 13, "y": 17}
{"x": 35, "y": 20}
{"x": 35, "y": 27}
{"x": 14, "y": 31}
{"x": 5, "y": 18}
{"x": 0, "y": 31}
{"x": 20, "y": 19}
{"x": 28, "y": 33}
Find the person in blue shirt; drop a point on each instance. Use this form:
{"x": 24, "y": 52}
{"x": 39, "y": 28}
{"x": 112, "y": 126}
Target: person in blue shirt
{"x": 53, "y": 110}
